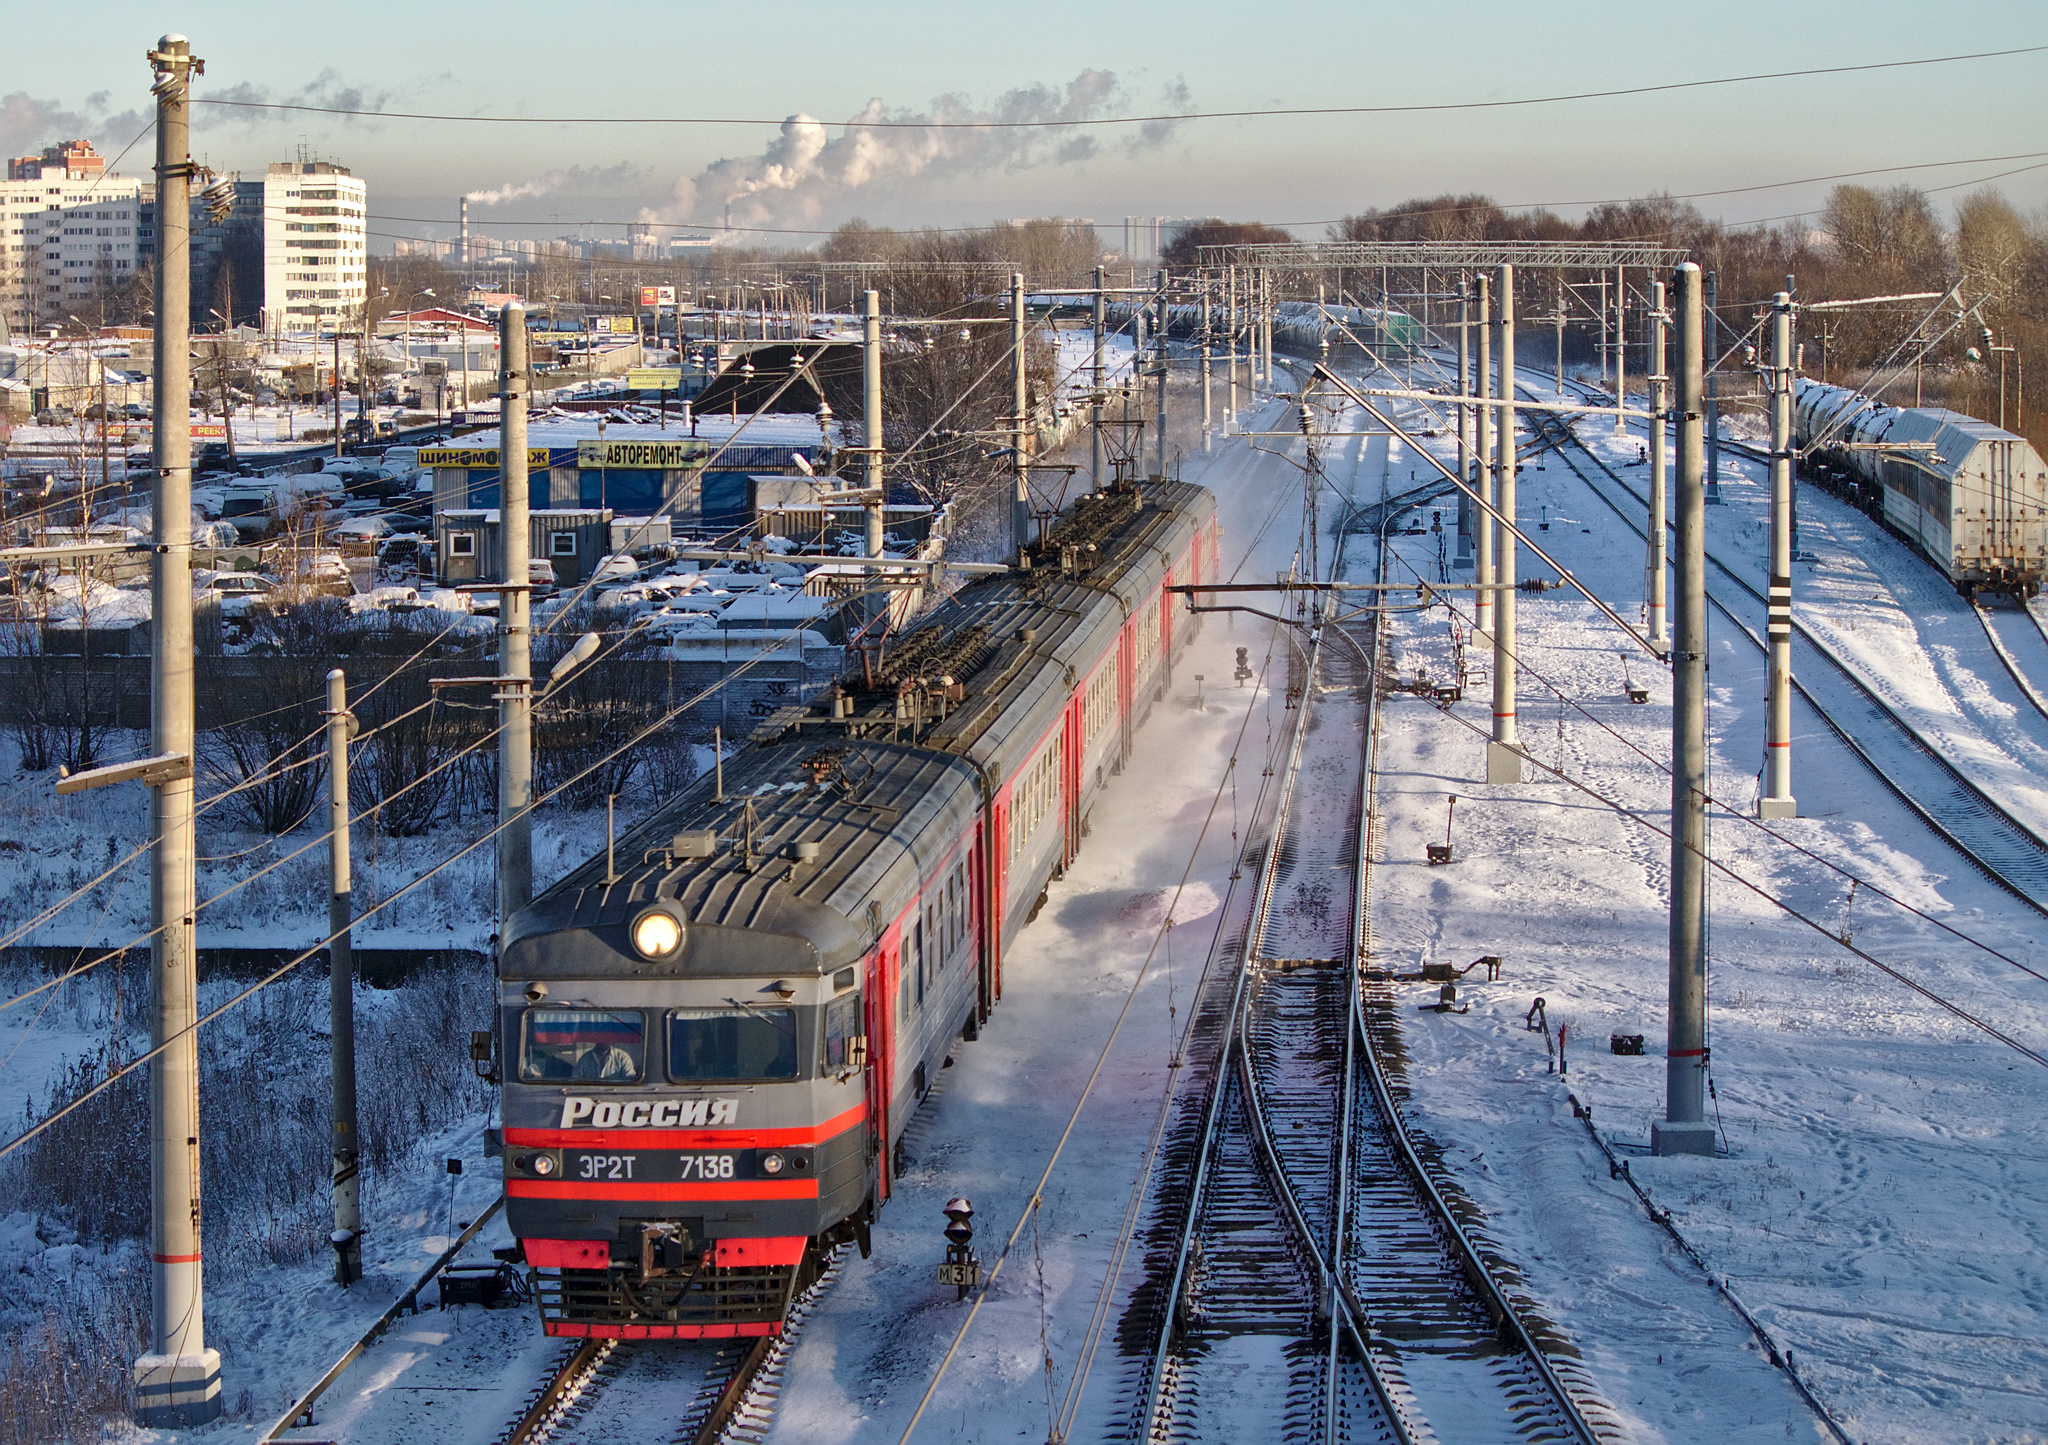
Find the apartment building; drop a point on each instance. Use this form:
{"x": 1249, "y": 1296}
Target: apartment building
{"x": 70, "y": 234}
{"x": 314, "y": 254}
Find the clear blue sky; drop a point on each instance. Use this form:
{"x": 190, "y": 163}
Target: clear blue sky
{"x": 832, "y": 60}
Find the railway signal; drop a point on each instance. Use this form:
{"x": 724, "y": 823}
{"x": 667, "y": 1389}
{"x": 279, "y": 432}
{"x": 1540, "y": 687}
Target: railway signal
{"x": 961, "y": 1269}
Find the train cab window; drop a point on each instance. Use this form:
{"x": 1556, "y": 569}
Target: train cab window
{"x": 731, "y": 1044}
{"x": 585, "y": 1046}
{"x": 842, "y": 1022}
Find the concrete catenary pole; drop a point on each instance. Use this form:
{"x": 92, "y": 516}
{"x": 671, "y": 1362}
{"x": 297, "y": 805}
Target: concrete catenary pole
{"x": 178, "y": 1382}
{"x": 1208, "y": 408}
{"x": 515, "y": 627}
{"x": 1620, "y": 351}
{"x": 1464, "y": 417}
{"x": 1660, "y": 510}
{"x": 1683, "y": 1129}
{"x": 1776, "y": 800}
{"x": 1504, "y": 754}
{"x": 1095, "y": 388}
{"x": 871, "y": 421}
{"x": 341, "y": 999}
{"x": 1020, "y": 478}
{"x": 1711, "y": 346}
{"x": 1159, "y": 330}
{"x": 1230, "y": 329}
{"x": 1482, "y": 427}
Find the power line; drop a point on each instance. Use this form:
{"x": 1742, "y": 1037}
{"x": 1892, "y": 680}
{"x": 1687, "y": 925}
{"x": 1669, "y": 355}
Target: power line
{"x": 1428, "y": 107}
{"x": 1396, "y": 215}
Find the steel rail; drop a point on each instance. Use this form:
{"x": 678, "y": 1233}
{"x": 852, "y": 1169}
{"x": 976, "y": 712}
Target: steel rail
{"x": 1227, "y": 1050}
{"x": 1972, "y": 794}
{"x": 409, "y": 1300}
{"x": 2005, "y": 656}
{"x": 1469, "y": 1259}
{"x": 539, "y": 1419}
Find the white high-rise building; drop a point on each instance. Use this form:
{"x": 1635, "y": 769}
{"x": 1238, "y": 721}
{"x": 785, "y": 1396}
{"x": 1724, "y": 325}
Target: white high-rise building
{"x": 68, "y": 236}
{"x": 314, "y": 256}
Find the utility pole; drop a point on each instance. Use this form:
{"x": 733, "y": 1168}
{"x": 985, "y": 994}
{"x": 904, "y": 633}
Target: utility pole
{"x": 1776, "y": 799}
{"x": 1266, "y": 318}
{"x": 1020, "y": 496}
{"x": 178, "y": 1382}
{"x": 1620, "y": 352}
{"x": 1230, "y": 328}
{"x": 1683, "y": 1129}
{"x": 1464, "y": 418}
{"x": 1159, "y": 330}
{"x": 1208, "y": 411}
{"x": 1504, "y": 753}
{"x": 1482, "y": 427}
{"x": 1710, "y": 345}
{"x": 347, "y": 1238}
{"x": 871, "y": 422}
{"x": 1660, "y": 403}
{"x": 337, "y": 384}
{"x": 1095, "y": 410}
{"x": 515, "y": 629}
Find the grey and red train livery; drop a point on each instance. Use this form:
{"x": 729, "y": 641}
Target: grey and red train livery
{"x": 711, "y": 1040}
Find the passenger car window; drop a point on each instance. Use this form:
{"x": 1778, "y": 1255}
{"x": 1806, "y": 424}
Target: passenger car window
{"x": 585, "y": 1046}
{"x": 731, "y": 1044}
{"x": 842, "y": 1022}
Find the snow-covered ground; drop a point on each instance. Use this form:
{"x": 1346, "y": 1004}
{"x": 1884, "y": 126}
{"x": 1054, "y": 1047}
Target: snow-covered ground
{"x": 1876, "y": 1206}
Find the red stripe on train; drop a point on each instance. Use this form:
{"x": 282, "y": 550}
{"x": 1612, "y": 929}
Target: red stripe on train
{"x": 591, "y": 1189}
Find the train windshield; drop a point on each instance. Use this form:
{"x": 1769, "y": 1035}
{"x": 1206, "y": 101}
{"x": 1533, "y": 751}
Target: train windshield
{"x": 594, "y": 1046}
{"x": 731, "y": 1044}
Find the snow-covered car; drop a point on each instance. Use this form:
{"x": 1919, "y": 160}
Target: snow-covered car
{"x": 238, "y": 584}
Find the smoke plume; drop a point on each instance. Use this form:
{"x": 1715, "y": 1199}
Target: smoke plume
{"x": 806, "y": 173}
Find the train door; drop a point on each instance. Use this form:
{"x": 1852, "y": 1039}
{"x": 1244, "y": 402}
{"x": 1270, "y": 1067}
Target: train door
{"x": 2003, "y": 541}
{"x": 881, "y": 1022}
{"x": 1070, "y": 776}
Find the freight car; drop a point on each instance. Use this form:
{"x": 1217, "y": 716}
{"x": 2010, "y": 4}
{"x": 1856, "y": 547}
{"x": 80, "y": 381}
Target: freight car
{"x": 711, "y": 1038}
{"x": 1972, "y": 496}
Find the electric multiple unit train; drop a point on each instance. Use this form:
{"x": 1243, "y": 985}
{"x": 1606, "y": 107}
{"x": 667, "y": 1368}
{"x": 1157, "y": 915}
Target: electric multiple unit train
{"x": 712, "y": 1037}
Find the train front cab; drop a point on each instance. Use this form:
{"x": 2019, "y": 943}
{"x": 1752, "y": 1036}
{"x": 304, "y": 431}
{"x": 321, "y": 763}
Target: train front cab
{"x": 678, "y": 1152}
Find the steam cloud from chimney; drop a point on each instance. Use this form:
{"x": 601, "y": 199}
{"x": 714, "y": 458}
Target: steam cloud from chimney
{"x": 804, "y": 173}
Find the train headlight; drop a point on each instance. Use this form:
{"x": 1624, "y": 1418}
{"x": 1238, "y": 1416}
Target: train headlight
{"x": 771, "y": 1163}
{"x": 657, "y": 933}
{"x": 542, "y": 1164}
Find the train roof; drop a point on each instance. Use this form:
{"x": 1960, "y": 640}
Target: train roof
{"x": 1954, "y": 436}
{"x": 871, "y": 806}
{"x": 928, "y": 730}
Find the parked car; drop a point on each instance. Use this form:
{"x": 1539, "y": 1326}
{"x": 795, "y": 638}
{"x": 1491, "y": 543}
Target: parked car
{"x": 239, "y": 584}
{"x": 327, "y": 574}
{"x": 540, "y": 576}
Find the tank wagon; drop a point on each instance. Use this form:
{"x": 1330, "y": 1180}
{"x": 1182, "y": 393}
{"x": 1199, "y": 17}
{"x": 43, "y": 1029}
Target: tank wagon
{"x": 710, "y": 1040}
{"x": 1972, "y": 496}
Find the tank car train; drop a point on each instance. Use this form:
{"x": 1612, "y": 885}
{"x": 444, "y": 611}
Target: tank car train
{"x": 710, "y": 1039}
{"x": 1972, "y": 496}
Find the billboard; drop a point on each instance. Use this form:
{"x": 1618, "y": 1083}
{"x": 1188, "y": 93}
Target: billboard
{"x": 208, "y": 429}
{"x": 657, "y": 295}
{"x": 654, "y": 378}
{"x": 641, "y": 455}
{"x": 536, "y": 457}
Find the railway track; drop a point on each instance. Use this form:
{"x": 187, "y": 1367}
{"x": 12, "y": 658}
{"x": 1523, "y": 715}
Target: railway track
{"x": 681, "y": 1392}
{"x": 1994, "y": 842}
{"x": 2021, "y": 643}
{"x": 1305, "y": 1277}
